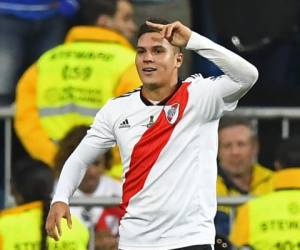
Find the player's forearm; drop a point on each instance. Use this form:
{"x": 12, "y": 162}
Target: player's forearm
{"x": 70, "y": 178}
{"x": 234, "y": 66}
{"x": 74, "y": 170}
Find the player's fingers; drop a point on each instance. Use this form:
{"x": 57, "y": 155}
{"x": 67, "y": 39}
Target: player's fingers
{"x": 169, "y": 31}
{"x": 58, "y": 226}
{"x": 69, "y": 220}
{"x": 55, "y": 234}
{"x": 155, "y": 25}
{"x": 51, "y": 227}
{"x": 163, "y": 31}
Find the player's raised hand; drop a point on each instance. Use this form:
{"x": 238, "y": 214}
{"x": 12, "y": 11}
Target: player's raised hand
{"x": 57, "y": 211}
{"x": 176, "y": 33}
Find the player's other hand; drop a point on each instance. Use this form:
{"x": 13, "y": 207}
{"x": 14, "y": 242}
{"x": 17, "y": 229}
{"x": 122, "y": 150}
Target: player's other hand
{"x": 57, "y": 211}
{"x": 176, "y": 33}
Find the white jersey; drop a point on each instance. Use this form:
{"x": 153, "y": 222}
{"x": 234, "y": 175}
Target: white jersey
{"x": 168, "y": 152}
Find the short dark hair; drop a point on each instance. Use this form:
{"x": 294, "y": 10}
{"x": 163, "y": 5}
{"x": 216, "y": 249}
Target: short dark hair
{"x": 144, "y": 28}
{"x": 28, "y": 176}
{"x": 90, "y": 10}
{"x": 288, "y": 152}
{"x": 227, "y": 122}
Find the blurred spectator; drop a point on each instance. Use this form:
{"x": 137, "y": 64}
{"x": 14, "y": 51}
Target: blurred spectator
{"x": 23, "y": 227}
{"x": 171, "y": 10}
{"x": 69, "y": 83}
{"x": 94, "y": 183}
{"x": 104, "y": 240}
{"x": 109, "y": 220}
{"x": 27, "y": 29}
{"x": 272, "y": 221}
{"x": 107, "y": 229}
{"x": 239, "y": 172}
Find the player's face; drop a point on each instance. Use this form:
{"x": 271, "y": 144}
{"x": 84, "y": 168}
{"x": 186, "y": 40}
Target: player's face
{"x": 157, "y": 61}
{"x": 123, "y": 19}
{"x": 237, "y": 149}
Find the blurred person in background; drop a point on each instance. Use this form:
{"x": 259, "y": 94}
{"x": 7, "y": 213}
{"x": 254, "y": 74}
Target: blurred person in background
{"x": 104, "y": 240}
{"x": 107, "y": 229}
{"x": 69, "y": 83}
{"x": 239, "y": 173}
{"x": 23, "y": 227}
{"x": 272, "y": 221}
{"x": 95, "y": 183}
{"x": 28, "y": 29}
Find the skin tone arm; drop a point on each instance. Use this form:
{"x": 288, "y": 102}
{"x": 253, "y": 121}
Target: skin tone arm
{"x": 58, "y": 211}
{"x": 70, "y": 178}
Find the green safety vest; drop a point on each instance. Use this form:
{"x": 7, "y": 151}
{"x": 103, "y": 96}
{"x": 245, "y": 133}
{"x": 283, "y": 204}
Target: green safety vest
{"x": 275, "y": 221}
{"x": 22, "y": 231}
{"x": 75, "y": 80}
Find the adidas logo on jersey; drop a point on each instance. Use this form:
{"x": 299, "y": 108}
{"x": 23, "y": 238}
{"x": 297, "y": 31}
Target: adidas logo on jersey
{"x": 124, "y": 124}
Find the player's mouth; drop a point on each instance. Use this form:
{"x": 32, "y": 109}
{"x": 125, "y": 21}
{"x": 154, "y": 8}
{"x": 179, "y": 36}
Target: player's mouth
{"x": 149, "y": 70}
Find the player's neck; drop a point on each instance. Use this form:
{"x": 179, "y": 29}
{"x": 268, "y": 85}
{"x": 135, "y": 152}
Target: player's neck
{"x": 158, "y": 93}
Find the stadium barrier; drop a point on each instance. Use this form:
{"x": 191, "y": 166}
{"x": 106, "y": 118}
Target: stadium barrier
{"x": 115, "y": 201}
{"x": 254, "y": 113}
{"x": 6, "y": 114}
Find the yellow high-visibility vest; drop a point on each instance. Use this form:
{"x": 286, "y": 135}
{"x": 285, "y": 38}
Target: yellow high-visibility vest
{"x": 262, "y": 183}
{"x": 279, "y": 228}
{"x": 20, "y": 229}
{"x": 74, "y": 81}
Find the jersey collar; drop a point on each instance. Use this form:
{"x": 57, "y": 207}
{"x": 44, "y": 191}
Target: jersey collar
{"x": 164, "y": 101}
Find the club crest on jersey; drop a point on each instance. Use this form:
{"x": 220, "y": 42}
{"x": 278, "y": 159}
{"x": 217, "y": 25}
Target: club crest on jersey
{"x": 172, "y": 112}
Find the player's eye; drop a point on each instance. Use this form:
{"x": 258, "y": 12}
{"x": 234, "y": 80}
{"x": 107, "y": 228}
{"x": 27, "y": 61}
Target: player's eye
{"x": 140, "y": 51}
{"x": 158, "y": 50}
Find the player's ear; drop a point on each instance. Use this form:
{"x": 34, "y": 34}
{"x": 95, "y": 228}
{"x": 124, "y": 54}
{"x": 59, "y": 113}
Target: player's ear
{"x": 179, "y": 59}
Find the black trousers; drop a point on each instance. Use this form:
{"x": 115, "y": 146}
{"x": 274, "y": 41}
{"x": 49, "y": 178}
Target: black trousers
{"x": 196, "y": 247}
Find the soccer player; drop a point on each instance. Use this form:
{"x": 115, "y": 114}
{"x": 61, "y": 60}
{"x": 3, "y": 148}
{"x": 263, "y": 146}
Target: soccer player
{"x": 167, "y": 132}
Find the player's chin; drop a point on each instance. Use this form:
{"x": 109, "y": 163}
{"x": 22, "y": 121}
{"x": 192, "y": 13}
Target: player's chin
{"x": 146, "y": 79}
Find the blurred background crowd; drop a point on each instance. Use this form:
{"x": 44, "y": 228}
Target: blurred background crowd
{"x": 61, "y": 60}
